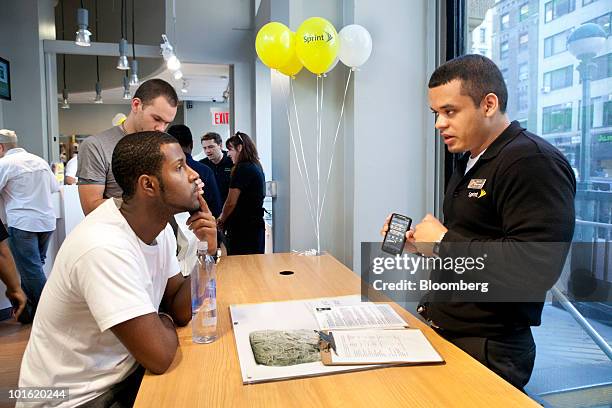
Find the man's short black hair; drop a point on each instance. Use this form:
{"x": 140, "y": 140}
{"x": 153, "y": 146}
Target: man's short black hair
{"x": 212, "y": 136}
{"x": 479, "y": 76}
{"x": 151, "y": 89}
{"x": 137, "y": 154}
{"x": 181, "y": 133}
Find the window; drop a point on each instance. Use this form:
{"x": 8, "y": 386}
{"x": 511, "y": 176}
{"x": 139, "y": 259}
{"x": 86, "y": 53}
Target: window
{"x": 601, "y": 111}
{"x": 603, "y": 66}
{"x": 522, "y": 101}
{"x": 524, "y": 12}
{"x": 557, "y": 118}
{"x": 523, "y": 42}
{"x": 483, "y": 35}
{"x": 559, "y": 78}
{"x": 505, "y": 22}
{"x": 504, "y": 73}
{"x": 585, "y": 2}
{"x": 557, "y": 8}
{"x": 556, "y": 43}
{"x": 603, "y": 21}
{"x": 503, "y": 50}
{"x": 523, "y": 71}
{"x": 607, "y": 114}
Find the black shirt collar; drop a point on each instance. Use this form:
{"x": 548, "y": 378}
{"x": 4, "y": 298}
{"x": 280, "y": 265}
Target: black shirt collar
{"x": 502, "y": 140}
{"x": 498, "y": 144}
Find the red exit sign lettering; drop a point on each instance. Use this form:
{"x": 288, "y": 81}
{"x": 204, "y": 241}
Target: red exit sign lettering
{"x": 220, "y": 118}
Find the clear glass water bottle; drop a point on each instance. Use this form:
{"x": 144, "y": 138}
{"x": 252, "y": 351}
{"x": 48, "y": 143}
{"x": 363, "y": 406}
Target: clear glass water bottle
{"x": 204, "y": 297}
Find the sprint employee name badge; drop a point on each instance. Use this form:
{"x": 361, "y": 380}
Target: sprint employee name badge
{"x": 476, "y": 184}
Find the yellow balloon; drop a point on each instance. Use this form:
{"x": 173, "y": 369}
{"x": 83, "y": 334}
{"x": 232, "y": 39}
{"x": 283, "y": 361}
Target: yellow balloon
{"x": 274, "y": 44}
{"x": 294, "y": 65}
{"x": 317, "y": 44}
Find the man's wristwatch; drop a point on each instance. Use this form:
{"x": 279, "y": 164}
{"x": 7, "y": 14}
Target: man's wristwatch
{"x": 436, "y": 246}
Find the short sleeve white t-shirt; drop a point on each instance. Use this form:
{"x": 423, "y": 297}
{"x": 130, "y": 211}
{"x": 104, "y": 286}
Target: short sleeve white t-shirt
{"x": 103, "y": 275}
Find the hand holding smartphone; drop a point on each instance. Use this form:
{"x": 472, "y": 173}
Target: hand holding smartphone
{"x": 395, "y": 238}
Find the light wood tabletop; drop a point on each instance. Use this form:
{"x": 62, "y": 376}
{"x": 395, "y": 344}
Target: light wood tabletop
{"x": 209, "y": 375}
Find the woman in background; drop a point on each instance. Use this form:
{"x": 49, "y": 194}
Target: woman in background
{"x": 242, "y": 214}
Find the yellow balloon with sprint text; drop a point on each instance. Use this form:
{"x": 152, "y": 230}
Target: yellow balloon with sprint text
{"x": 294, "y": 65}
{"x": 317, "y": 44}
{"x": 274, "y": 44}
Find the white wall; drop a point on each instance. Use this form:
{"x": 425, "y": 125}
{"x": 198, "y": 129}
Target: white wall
{"x": 88, "y": 119}
{"x": 390, "y": 130}
{"x": 199, "y": 120}
{"x": 23, "y": 26}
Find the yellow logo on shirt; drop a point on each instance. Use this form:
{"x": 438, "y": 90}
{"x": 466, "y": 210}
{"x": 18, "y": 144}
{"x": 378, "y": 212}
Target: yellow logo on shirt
{"x": 477, "y": 194}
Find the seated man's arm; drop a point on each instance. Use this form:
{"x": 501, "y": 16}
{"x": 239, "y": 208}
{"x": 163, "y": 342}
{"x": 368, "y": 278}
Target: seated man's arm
{"x": 91, "y": 196}
{"x": 91, "y": 172}
{"x": 177, "y": 295}
{"x": 151, "y": 339}
{"x": 177, "y": 299}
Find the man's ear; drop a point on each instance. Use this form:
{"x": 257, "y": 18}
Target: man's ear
{"x": 136, "y": 103}
{"x": 490, "y": 104}
{"x": 149, "y": 185}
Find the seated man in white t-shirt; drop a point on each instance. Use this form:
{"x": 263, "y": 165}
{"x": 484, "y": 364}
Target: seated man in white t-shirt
{"x": 98, "y": 319}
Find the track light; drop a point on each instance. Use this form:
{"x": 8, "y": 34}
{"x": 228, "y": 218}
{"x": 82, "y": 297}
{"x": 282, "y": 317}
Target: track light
{"x": 122, "y": 64}
{"x": 134, "y": 76}
{"x": 184, "y": 88}
{"x": 65, "y": 104}
{"x": 126, "y": 89}
{"x": 98, "y": 98}
{"x": 172, "y": 62}
{"x": 83, "y": 34}
{"x": 178, "y": 74}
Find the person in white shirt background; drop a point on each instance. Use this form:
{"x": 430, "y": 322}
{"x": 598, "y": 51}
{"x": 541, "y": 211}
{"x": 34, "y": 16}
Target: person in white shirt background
{"x": 26, "y": 185}
{"x": 71, "y": 166}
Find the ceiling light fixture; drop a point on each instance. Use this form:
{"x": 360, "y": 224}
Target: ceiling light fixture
{"x": 178, "y": 74}
{"x": 126, "y": 88}
{"x": 134, "y": 77}
{"x": 185, "y": 87}
{"x": 83, "y": 34}
{"x": 122, "y": 63}
{"x": 64, "y": 103}
{"x": 167, "y": 51}
{"x": 98, "y": 98}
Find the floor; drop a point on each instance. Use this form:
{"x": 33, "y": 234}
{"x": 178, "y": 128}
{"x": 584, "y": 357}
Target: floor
{"x": 13, "y": 339}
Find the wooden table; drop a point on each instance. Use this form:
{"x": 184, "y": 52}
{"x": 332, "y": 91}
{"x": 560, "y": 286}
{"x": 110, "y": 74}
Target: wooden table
{"x": 209, "y": 375}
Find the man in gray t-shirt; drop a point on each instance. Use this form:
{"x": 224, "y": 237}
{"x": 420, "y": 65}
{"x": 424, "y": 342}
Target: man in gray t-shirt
{"x": 152, "y": 108}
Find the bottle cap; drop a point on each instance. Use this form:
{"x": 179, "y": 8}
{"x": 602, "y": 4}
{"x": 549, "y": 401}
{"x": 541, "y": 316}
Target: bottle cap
{"x": 202, "y": 246}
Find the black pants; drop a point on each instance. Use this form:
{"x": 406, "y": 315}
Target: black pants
{"x": 249, "y": 238}
{"x": 121, "y": 395}
{"x": 510, "y": 356}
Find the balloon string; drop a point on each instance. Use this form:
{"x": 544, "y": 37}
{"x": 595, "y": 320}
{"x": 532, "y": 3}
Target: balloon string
{"x": 318, "y": 161}
{"x": 331, "y": 163}
{"x": 310, "y": 206}
{"x": 319, "y": 164}
{"x": 297, "y": 119}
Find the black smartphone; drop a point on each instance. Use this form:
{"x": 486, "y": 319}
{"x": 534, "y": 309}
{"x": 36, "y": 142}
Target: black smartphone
{"x": 395, "y": 238}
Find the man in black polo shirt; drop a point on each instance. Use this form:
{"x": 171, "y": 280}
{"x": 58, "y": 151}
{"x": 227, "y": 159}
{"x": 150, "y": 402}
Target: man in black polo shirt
{"x": 218, "y": 161}
{"x": 510, "y": 196}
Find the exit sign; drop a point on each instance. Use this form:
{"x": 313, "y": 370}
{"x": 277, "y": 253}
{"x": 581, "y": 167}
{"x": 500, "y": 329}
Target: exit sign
{"x": 220, "y": 118}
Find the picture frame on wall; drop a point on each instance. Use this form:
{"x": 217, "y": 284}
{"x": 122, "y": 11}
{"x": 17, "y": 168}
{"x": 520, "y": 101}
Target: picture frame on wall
{"x": 5, "y": 79}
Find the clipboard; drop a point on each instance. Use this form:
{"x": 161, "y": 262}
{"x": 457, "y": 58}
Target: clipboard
{"x": 327, "y": 347}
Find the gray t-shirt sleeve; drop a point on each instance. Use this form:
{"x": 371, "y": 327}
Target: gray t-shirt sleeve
{"x": 91, "y": 164}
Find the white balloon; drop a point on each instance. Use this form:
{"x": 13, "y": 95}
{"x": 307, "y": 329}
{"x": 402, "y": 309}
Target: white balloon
{"x": 355, "y": 45}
